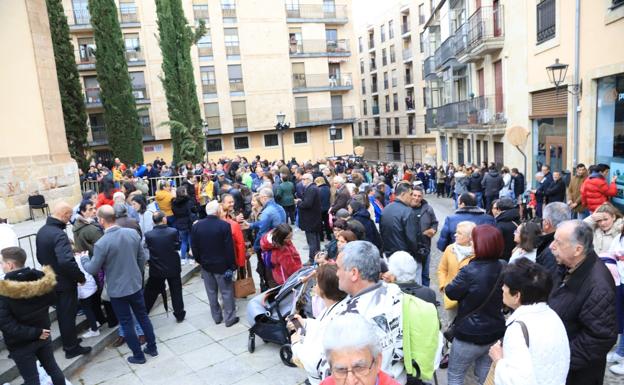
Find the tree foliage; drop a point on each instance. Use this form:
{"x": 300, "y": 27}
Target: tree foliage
{"x": 72, "y": 100}
{"x": 123, "y": 129}
{"x": 176, "y": 38}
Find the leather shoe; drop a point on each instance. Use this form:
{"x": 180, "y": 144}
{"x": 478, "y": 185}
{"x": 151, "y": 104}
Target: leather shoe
{"x": 77, "y": 351}
{"x": 233, "y": 321}
{"x": 134, "y": 360}
{"x": 152, "y": 352}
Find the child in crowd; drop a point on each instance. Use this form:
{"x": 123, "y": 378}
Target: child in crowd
{"x": 285, "y": 259}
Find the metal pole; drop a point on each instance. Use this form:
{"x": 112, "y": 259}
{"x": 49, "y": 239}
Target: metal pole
{"x": 575, "y": 95}
{"x": 334, "y": 144}
{"x": 282, "y": 142}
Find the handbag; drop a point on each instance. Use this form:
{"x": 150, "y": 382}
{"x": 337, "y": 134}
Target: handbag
{"x": 489, "y": 380}
{"x": 449, "y": 333}
{"x": 244, "y": 285}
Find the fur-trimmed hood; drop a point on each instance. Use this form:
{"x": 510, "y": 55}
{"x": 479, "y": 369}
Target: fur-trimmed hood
{"x": 28, "y": 283}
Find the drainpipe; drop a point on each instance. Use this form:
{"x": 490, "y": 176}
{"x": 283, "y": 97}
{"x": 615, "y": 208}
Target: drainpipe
{"x": 575, "y": 96}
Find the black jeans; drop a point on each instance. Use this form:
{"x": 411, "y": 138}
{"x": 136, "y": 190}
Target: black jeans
{"x": 66, "y": 308}
{"x": 326, "y": 232}
{"x": 156, "y": 285}
{"x": 314, "y": 244}
{"x": 26, "y": 361}
{"x": 92, "y": 308}
{"x": 290, "y": 213}
{"x": 591, "y": 374}
{"x": 440, "y": 189}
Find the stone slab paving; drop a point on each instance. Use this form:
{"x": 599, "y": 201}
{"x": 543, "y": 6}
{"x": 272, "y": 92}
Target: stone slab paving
{"x": 199, "y": 352}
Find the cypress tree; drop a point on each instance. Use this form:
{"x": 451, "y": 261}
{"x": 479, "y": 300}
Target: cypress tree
{"x": 123, "y": 129}
{"x": 176, "y": 39}
{"x": 72, "y": 100}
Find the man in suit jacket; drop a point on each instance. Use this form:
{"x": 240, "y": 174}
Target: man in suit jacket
{"x": 310, "y": 216}
{"x": 163, "y": 243}
{"x": 343, "y": 196}
{"x": 120, "y": 253}
{"x": 213, "y": 247}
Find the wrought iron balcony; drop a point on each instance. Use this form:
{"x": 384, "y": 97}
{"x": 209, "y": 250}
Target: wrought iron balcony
{"x": 477, "y": 112}
{"x": 546, "y": 20}
{"x": 322, "y": 82}
{"x": 316, "y": 12}
{"x": 405, "y": 28}
{"x": 445, "y": 52}
{"x": 324, "y": 115}
{"x": 209, "y": 88}
{"x": 320, "y": 47}
{"x": 482, "y": 33}
{"x": 139, "y": 91}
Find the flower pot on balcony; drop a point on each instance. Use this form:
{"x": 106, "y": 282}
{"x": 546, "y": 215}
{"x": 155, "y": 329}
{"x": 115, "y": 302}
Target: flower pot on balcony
{"x": 472, "y": 118}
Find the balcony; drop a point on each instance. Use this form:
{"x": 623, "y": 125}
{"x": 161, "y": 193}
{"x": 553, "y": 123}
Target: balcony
{"x": 201, "y": 13}
{"x": 92, "y": 97}
{"x": 405, "y": 29}
{"x": 429, "y": 67}
{"x": 475, "y": 113}
{"x": 316, "y": 13}
{"x": 139, "y": 91}
{"x": 209, "y": 89}
{"x": 228, "y": 11}
{"x": 374, "y": 87}
{"x": 482, "y": 34}
{"x": 86, "y": 60}
{"x": 322, "y": 82}
{"x": 79, "y": 20}
{"x": 240, "y": 123}
{"x": 312, "y": 48}
{"x": 99, "y": 137}
{"x": 237, "y": 86}
{"x": 375, "y": 110}
{"x": 407, "y": 55}
{"x": 305, "y": 117}
{"x": 204, "y": 52}
{"x": 214, "y": 122}
{"x": 128, "y": 15}
{"x": 444, "y": 53}
{"x": 408, "y": 80}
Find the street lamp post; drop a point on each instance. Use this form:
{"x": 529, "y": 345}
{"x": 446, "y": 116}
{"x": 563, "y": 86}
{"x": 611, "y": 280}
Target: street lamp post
{"x": 332, "y": 134}
{"x": 205, "y": 132}
{"x": 281, "y": 127}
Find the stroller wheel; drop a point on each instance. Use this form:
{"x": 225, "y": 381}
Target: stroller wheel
{"x": 251, "y": 343}
{"x": 286, "y": 355}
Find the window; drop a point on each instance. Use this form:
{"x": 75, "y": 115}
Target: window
{"x": 388, "y": 126}
{"x": 211, "y": 112}
{"x": 392, "y": 54}
{"x": 81, "y": 12}
{"x": 364, "y": 107}
{"x": 214, "y": 145}
{"x": 422, "y": 42}
{"x": 239, "y": 114}
{"x": 241, "y": 142}
{"x": 391, "y": 29}
{"x": 384, "y": 59}
{"x": 377, "y": 128}
{"x": 300, "y": 137}
{"x": 271, "y": 140}
{"x": 395, "y": 102}
{"x": 133, "y": 47}
{"x": 410, "y": 125}
{"x": 209, "y": 81}
{"x": 385, "y": 80}
{"x": 204, "y": 46}
{"x": 232, "y": 48}
{"x": 127, "y": 12}
{"x": 394, "y": 78}
{"x": 359, "y": 128}
{"x": 421, "y": 14}
{"x": 235, "y": 76}
{"x": 460, "y": 151}
{"x": 366, "y": 127}
{"x": 397, "y": 128}
{"x": 382, "y": 33}
{"x": 360, "y": 44}
{"x": 546, "y": 16}
{"x": 361, "y": 66}
{"x": 387, "y": 103}
{"x": 228, "y": 9}
{"x": 92, "y": 89}
{"x": 139, "y": 91}
{"x": 144, "y": 120}
{"x": 338, "y": 135}
{"x": 200, "y": 12}
{"x": 610, "y": 119}
{"x": 86, "y": 48}
{"x": 363, "y": 86}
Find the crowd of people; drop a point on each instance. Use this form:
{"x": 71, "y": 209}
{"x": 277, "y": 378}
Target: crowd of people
{"x": 530, "y": 278}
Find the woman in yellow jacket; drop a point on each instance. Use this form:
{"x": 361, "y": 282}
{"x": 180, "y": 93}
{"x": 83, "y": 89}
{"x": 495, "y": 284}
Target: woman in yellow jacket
{"x": 163, "y": 197}
{"x": 456, "y": 256}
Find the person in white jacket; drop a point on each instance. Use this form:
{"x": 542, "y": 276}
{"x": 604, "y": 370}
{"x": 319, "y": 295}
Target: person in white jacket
{"x": 539, "y": 354}
{"x": 307, "y": 344}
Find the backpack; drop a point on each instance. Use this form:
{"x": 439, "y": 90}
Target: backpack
{"x": 422, "y": 341}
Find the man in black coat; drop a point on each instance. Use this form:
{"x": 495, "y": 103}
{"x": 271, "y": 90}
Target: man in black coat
{"x": 584, "y": 298}
{"x": 556, "y": 190}
{"x": 492, "y": 183}
{"x": 519, "y": 186}
{"x": 554, "y": 214}
{"x": 310, "y": 215}
{"x": 163, "y": 243}
{"x": 428, "y": 225}
{"x": 213, "y": 248}
{"x": 507, "y": 217}
{"x": 25, "y": 299}
{"x": 54, "y": 249}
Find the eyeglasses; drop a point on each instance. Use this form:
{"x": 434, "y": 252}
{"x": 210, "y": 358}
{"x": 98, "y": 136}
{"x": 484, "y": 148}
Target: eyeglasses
{"x": 357, "y": 370}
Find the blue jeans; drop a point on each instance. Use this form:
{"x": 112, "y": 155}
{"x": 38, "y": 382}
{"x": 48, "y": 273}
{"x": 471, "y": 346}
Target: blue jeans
{"x": 425, "y": 271}
{"x": 137, "y": 328}
{"x": 619, "y": 349}
{"x": 581, "y": 216}
{"x": 462, "y": 355}
{"x": 124, "y": 307}
{"x": 185, "y": 240}
{"x": 479, "y": 196}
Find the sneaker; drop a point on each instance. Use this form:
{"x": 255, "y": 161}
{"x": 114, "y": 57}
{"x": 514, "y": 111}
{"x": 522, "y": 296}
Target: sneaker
{"x": 135, "y": 360}
{"x": 614, "y": 358}
{"x": 183, "y": 262}
{"x": 617, "y": 369}
{"x": 91, "y": 333}
{"x": 77, "y": 351}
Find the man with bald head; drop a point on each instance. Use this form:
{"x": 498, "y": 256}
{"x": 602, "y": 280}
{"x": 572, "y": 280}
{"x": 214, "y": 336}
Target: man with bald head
{"x": 54, "y": 249}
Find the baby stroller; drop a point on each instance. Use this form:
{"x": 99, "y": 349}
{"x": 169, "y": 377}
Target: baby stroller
{"x": 268, "y": 312}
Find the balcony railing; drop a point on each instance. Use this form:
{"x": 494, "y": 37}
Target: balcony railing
{"x": 431, "y": 118}
{"x": 546, "y": 19}
{"x": 139, "y": 91}
{"x": 204, "y": 51}
{"x": 134, "y": 56}
{"x": 81, "y": 17}
{"x": 429, "y": 66}
{"x": 213, "y": 122}
{"x": 320, "y": 47}
{"x": 407, "y": 54}
{"x": 483, "y": 27}
{"x": 405, "y": 28}
{"x": 316, "y": 11}
{"x": 445, "y": 52}
{"x": 374, "y": 87}
{"x": 146, "y": 126}
{"x": 302, "y": 81}
{"x": 240, "y": 121}
{"x": 128, "y": 15}
{"x": 472, "y": 112}
{"x": 236, "y": 85}
{"x": 325, "y": 114}
{"x": 228, "y": 10}
{"x": 85, "y": 56}
{"x": 209, "y": 88}
{"x": 92, "y": 95}
{"x": 232, "y": 50}
{"x": 98, "y": 133}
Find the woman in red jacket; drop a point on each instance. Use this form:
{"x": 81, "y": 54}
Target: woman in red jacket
{"x": 106, "y": 196}
{"x": 285, "y": 258}
{"x": 595, "y": 191}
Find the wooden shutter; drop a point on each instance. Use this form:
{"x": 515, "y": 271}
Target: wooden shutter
{"x": 481, "y": 82}
{"x": 498, "y": 86}
{"x": 549, "y": 104}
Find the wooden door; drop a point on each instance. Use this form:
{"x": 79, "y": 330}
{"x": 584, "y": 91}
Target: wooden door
{"x": 496, "y": 18}
{"x": 555, "y": 152}
{"x": 498, "y": 86}
{"x": 481, "y": 82}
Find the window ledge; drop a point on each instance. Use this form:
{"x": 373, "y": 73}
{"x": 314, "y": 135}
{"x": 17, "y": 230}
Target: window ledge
{"x": 548, "y": 44}
{"x": 614, "y": 13}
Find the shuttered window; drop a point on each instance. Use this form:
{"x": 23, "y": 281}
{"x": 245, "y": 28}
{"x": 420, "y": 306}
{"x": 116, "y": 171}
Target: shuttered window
{"x": 549, "y": 104}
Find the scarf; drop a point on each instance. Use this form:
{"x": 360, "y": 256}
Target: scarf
{"x": 462, "y": 252}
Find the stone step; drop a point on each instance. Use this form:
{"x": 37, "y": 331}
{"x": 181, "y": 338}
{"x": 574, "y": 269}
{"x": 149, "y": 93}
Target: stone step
{"x": 10, "y": 374}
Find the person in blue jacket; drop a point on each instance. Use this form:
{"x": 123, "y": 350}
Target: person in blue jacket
{"x": 467, "y": 211}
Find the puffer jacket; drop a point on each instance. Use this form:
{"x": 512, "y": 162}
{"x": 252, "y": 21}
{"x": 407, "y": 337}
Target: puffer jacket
{"x": 492, "y": 183}
{"x": 447, "y": 271}
{"x": 470, "y": 288}
{"x": 603, "y": 239}
{"x": 86, "y": 233}
{"x": 372, "y": 235}
{"x": 586, "y": 305}
{"x": 595, "y": 191}
{"x": 468, "y": 213}
{"x": 461, "y": 183}
{"x": 400, "y": 231}
{"x": 507, "y": 222}
{"x": 184, "y": 211}
{"x": 474, "y": 182}
{"x": 25, "y": 298}
{"x": 285, "y": 259}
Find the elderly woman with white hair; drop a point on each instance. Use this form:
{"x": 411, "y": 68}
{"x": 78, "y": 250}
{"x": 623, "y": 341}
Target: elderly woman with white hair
{"x": 354, "y": 352}
{"x": 403, "y": 270}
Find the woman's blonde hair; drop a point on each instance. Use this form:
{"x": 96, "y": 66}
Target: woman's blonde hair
{"x": 609, "y": 209}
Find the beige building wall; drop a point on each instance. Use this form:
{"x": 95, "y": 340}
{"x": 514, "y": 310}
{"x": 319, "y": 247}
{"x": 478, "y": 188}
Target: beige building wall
{"x": 412, "y": 142}
{"x": 33, "y": 153}
{"x": 266, "y": 65}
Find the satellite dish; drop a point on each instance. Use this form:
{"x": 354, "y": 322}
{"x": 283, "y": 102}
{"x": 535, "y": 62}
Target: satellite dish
{"x": 517, "y": 136}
